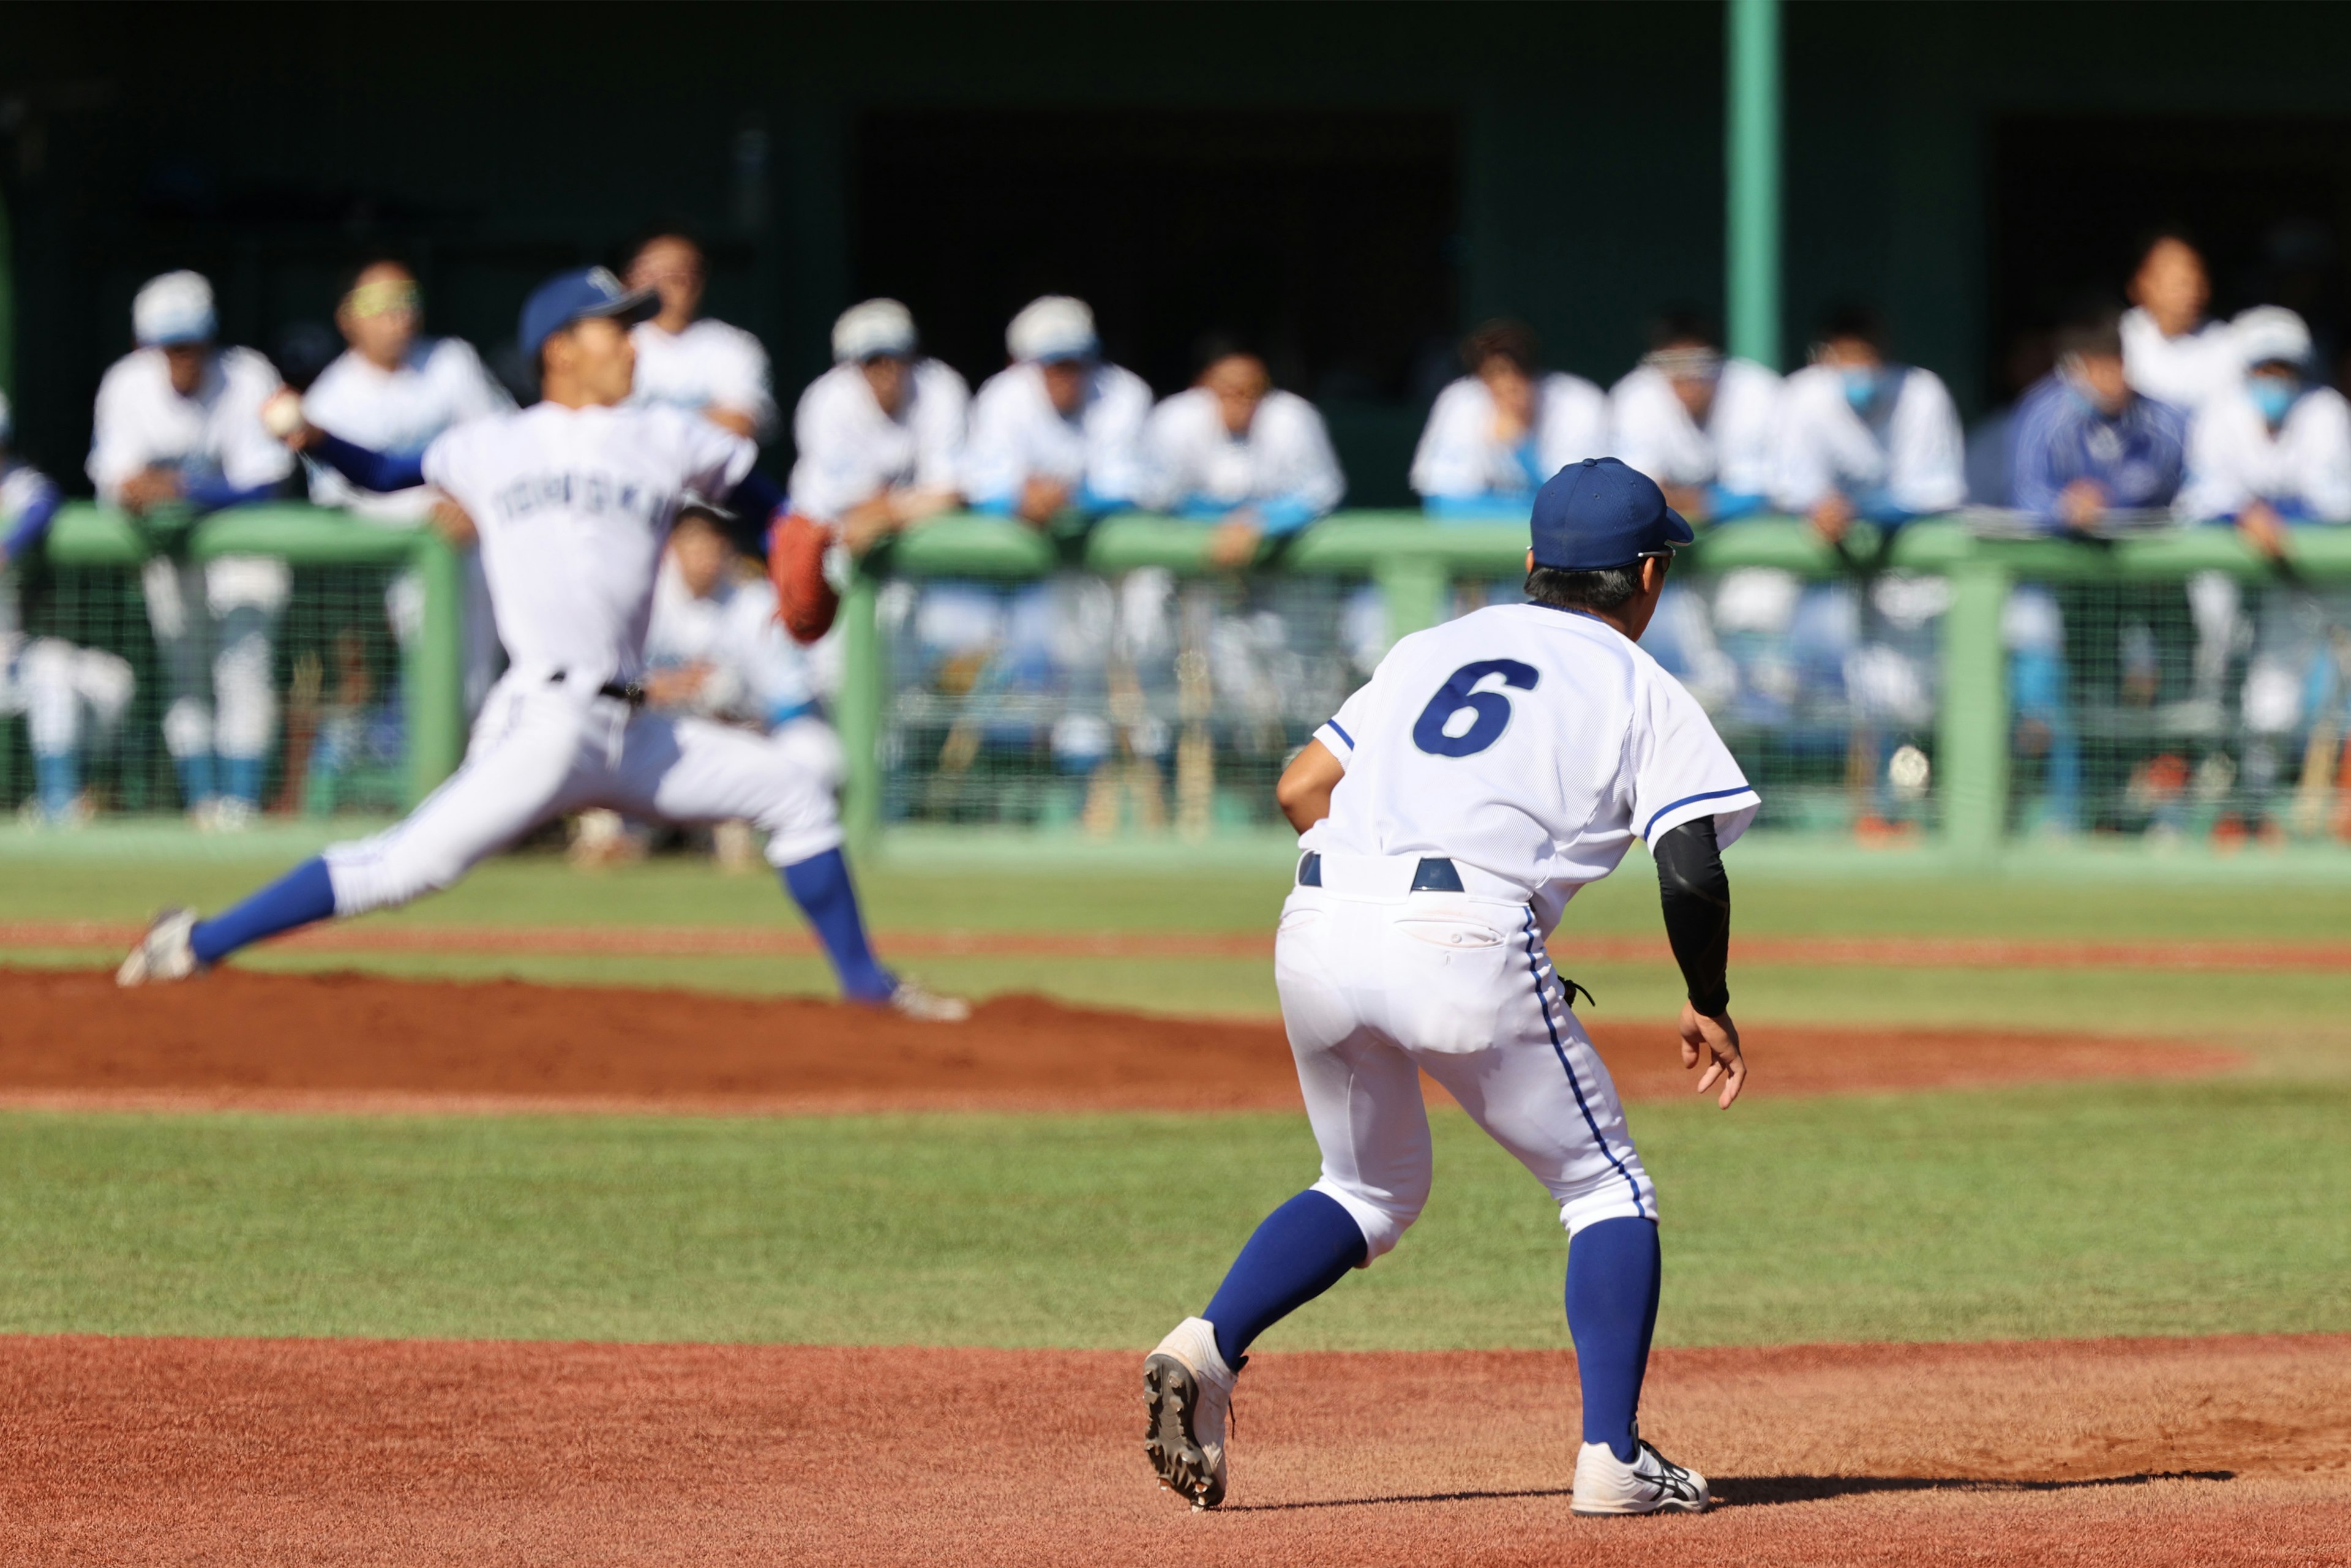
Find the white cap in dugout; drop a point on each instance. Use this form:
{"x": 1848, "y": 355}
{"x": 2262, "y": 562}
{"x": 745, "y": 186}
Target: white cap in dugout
{"x": 1053, "y": 328}
{"x": 176, "y": 307}
{"x": 2270, "y": 334}
{"x": 869, "y": 331}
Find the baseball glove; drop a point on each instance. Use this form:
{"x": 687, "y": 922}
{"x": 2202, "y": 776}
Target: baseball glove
{"x": 805, "y": 602}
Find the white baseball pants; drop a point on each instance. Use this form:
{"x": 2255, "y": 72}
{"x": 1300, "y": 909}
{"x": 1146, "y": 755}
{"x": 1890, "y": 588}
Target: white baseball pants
{"x": 214, "y": 623}
{"x": 543, "y": 749}
{"x": 1379, "y": 985}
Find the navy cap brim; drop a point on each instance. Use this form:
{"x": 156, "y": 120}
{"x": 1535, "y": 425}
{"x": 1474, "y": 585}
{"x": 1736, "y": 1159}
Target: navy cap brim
{"x": 1679, "y": 531}
{"x": 637, "y": 305}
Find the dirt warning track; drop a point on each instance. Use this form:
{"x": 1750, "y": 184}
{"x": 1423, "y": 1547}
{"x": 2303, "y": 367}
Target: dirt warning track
{"x": 231, "y": 1452}
{"x": 325, "y": 1042}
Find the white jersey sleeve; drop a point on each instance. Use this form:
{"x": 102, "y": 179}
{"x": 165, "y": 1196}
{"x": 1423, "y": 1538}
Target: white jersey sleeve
{"x": 942, "y": 413}
{"x": 1679, "y": 768}
{"x": 712, "y": 460}
{"x": 248, "y": 453}
{"x": 738, "y": 368}
{"x": 996, "y": 455}
{"x": 1926, "y": 451}
{"x": 118, "y": 449}
{"x": 1451, "y": 459}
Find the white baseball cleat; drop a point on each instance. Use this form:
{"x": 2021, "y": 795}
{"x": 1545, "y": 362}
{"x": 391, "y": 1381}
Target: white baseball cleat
{"x": 917, "y": 1002}
{"x": 163, "y": 953}
{"x": 1652, "y": 1483}
{"x": 1189, "y": 1391}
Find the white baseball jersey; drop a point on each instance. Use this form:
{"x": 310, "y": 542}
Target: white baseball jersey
{"x": 709, "y": 365}
{"x": 1917, "y": 461}
{"x": 2234, "y": 458}
{"x": 851, "y": 452}
{"x": 1459, "y": 458}
{"x": 441, "y": 384}
{"x": 1533, "y": 743}
{"x": 2183, "y": 371}
{"x": 1284, "y": 457}
{"x": 756, "y": 671}
{"x": 1737, "y": 447}
{"x": 1017, "y": 434}
{"x": 141, "y": 421}
{"x": 573, "y": 506}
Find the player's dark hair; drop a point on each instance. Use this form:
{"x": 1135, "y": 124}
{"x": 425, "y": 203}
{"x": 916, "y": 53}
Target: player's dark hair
{"x": 2094, "y": 327}
{"x": 2162, "y": 234}
{"x": 1854, "y": 320}
{"x": 660, "y": 228}
{"x": 1683, "y": 325}
{"x": 1502, "y": 338}
{"x": 1213, "y": 347}
{"x": 1608, "y": 590}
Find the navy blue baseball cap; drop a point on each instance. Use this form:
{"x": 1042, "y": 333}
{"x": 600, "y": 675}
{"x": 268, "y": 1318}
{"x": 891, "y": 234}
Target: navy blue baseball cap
{"x": 1598, "y": 515}
{"x": 575, "y": 295}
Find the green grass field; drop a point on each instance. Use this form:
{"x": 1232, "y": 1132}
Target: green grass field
{"x": 2075, "y": 1210}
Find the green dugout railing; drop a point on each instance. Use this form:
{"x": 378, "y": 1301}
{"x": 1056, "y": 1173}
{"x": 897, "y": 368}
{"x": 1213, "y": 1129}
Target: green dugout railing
{"x": 1412, "y": 561}
{"x": 432, "y": 680}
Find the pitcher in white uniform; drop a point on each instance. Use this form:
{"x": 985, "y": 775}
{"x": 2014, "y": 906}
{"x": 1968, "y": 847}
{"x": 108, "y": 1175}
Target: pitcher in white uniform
{"x": 178, "y": 425}
{"x": 573, "y": 499}
{"x": 1492, "y": 767}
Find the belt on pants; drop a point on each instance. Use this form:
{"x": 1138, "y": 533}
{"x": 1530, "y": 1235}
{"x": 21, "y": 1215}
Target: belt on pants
{"x": 630, "y": 691}
{"x": 1434, "y": 874}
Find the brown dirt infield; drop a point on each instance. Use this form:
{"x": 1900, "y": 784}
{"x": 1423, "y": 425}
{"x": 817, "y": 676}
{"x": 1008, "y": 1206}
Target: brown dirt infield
{"x": 228, "y": 1452}
{"x": 364, "y": 1042}
{"x": 723, "y": 940}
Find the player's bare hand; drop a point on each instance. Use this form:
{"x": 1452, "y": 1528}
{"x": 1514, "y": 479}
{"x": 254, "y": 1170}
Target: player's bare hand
{"x": 2262, "y": 528}
{"x": 1233, "y": 543}
{"x": 1832, "y": 518}
{"x": 453, "y": 523}
{"x": 2080, "y": 504}
{"x": 1040, "y": 499}
{"x": 149, "y": 487}
{"x": 1714, "y": 1039}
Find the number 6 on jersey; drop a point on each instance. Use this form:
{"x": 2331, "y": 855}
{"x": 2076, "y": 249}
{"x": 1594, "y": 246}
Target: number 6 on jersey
{"x": 1438, "y": 731}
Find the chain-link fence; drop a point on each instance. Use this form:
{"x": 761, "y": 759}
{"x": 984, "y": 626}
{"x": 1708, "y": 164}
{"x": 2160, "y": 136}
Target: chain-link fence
{"x": 282, "y": 661}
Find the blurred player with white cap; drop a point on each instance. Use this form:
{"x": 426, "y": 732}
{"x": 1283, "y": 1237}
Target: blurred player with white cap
{"x": 1061, "y": 428}
{"x": 2169, "y": 350}
{"x": 179, "y": 424}
{"x": 1495, "y": 435}
{"x": 392, "y": 390}
{"x": 68, "y": 694}
{"x": 880, "y": 436}
{"x": 1238, "y": 451}
{"x": 685, "y": 359}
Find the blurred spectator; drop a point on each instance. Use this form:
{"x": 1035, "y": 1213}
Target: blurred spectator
{"x": 178, "y": 425}
{"x": 2171, "y": 351}
{"x": 1991, "y": 440}
{"x": 1862, "y": 438}
{"x": 1494, "y": 435}
{"x": 689, "y": 361}
{"x": 2086, "y": 443}
{"x": 69, "y": 695}
{"x": 2272, "y": 453}
{"x": 392, "y": 390}
{"x": 881, "y": 433}
{"x": 2273, "y": 450}
{"x": 1059, "y": 429}
{"x": 1703, "y": 427}
{"x": 1236, "y": 450}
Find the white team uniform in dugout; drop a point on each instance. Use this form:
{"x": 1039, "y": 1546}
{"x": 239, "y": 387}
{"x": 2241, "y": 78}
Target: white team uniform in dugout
{"x": 1529, "y": 747}
{"x": 573, "y": 506}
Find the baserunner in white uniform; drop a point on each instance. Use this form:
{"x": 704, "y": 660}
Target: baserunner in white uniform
{"x": 1493, "y": 766}
{"x": 573, "y": 497}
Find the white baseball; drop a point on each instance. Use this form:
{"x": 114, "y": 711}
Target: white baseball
{"x": 282, "y": 414}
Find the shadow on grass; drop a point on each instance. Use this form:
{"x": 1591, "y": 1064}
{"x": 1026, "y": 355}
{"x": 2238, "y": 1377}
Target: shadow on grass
{"x": 1753, "y": 1492}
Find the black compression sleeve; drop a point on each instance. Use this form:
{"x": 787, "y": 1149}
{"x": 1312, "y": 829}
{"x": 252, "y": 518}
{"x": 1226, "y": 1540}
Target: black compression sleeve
{"x": 1695, "y": 892}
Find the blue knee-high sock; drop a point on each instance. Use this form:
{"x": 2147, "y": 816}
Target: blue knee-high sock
{"x": 195, "y": 778}
{"x": 58, "y": 779}
{"x": 1612, "y": 1270}
{"x": 241, "y": 776}
{"x": 1301, "y": 1250}
{"x": 820, "y": 886}
{"x": 304, "y": 894}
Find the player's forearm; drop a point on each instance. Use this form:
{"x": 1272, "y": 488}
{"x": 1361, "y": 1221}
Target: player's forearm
{"x": 385, "y": 473}
{"x": 1695, "y": 891}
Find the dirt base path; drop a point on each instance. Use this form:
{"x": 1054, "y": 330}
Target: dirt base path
{"x": 241, "y": 1452}
{"x": 353, "y": 1041}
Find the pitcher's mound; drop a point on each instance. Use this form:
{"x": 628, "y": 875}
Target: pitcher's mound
{"x": 357, "y": 1041}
